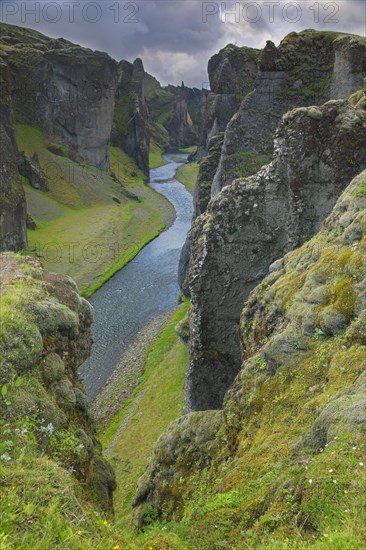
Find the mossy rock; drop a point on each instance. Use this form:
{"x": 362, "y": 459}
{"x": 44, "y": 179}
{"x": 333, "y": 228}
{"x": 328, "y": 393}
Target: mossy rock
{"x": 53, "y": 318}
{"x": 53, "y": 368}
{"x": 64, "y": 394}
{"x": 332, "y": 321}
{"x": 103, "y": 482}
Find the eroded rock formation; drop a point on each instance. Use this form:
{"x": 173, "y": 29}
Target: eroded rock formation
{"x": 307, "y": 68}
{"x": 130, "y": 130}
{"x": 13, "y": 234}
{"x": 65, "y": 89}
{"x": 255, "y": 221}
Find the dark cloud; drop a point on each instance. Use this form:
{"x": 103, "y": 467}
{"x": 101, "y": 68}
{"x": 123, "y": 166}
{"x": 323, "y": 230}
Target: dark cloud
{"x": 175, "y": 38}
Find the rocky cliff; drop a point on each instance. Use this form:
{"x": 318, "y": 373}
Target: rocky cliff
{"x": 175, "y": 113}
{"x": 231, "y": 74}
{"x": 130, "y": 129}
{"x": 255, "y": 221}
{"x": 66, "y": 90}
{"x": 183, "y": 130}
{"x": 45, "y": 337}
{"x": 307, "y": 68}
{"x": 282, "y": 464}
{"x": 13, "y": 234}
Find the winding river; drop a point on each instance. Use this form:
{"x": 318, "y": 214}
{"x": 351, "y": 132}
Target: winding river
{"x": 143, "y": 289}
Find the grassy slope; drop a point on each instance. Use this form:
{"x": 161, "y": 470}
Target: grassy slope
{"x": 161, "y": 403}
{"x": 187, "y": 174}
{"x": 80, "y": 209}
{"x": 41, "y": 504}
{"x": 156, "y": 155}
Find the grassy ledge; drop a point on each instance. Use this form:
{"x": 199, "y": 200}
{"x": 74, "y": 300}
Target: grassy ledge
{"x": 187, "y": 175}
{"x": 156, "y": 156}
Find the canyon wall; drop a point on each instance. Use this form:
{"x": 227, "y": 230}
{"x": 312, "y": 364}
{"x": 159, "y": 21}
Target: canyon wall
{"x": 307, "y": 68}
{"x": 130, "y": 128}
{"x": 283, "y": 460}
{"x": 316, "y": 151}
{"x": 253, "y": 222}
{"x": 13, "y": 233}
{"x": 63, "y": 88}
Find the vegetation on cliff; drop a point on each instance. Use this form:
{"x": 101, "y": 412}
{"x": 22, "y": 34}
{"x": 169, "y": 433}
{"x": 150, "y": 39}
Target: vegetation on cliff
{"x": 282, "y": 466}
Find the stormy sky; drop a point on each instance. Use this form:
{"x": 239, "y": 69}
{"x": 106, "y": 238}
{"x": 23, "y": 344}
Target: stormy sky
{"x": 175, "y": 38}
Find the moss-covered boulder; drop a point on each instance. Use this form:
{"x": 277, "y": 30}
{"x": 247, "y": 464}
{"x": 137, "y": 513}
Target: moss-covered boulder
{"x": 45, "y": 336}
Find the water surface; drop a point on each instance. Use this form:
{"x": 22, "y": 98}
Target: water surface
{"x": 145, "y": 288}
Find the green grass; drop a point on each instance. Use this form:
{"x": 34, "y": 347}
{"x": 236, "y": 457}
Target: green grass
{"x": 187, "y": 175}
{"x": 245, "y": 163}
{"x": 178, "y": 160}
{"x": 81, "y": 230}
{"x": 189, "y": 150}
{"x": 156, "y": 156}
{"x": 161, "y": 403}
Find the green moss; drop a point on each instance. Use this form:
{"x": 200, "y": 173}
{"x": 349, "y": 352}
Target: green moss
{"x": 361, "y": 191}
{"x": 247, "y": 163}
{"x": 187, "y": 175}
{"x": 343, "y": 297}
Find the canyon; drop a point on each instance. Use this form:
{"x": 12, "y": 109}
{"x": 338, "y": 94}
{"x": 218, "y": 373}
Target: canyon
{"x": 268, "y": 449}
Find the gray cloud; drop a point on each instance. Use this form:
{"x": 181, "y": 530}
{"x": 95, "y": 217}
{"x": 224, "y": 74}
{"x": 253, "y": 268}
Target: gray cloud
{"x": 175, "y": 38}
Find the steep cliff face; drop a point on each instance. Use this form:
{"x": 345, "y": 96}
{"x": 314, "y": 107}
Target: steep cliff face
{"x": 182, "y": 129}
{"x": 175, "y": 113}
{"x": 45, "y": 336}
{"x": 282, "y": 464}
{"x": 307, "y": 68}
{"x": 66, "y": 90}
{"x": 13, "y": 234}
{"x": 130, "y": 129}
{"x": 231, "y": 73}
{"x": 255, "y": 221}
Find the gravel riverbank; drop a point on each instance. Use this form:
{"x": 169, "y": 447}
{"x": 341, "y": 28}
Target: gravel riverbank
{"x": 126, "y": 377}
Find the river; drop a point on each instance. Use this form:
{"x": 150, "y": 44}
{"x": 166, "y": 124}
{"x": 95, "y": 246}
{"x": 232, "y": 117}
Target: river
{"x": 143, "y": 289}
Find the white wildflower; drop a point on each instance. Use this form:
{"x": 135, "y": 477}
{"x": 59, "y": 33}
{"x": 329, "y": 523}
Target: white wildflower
{"x": 5, "y": 457}
{"x": 49, "y": 429}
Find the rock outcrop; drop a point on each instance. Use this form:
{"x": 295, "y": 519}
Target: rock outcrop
{"x": 283, "y": 459}
{"x": 32, "y": 171}
{"x": 13, "y": 233}
{"x": 307, "y": 68}
{"x": 46, "y": 335}
{"x": 65, "y": 89}
{"x": 175, "y": 113}
{"x": 182, "y": 130}
{"x": 130, "y": 130}
{"x": 232, "y": 74}
{"x": 255, "y": 221}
